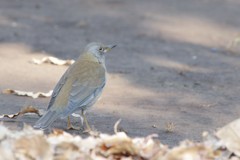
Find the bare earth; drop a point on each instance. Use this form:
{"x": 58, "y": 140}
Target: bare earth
{"x": 170, "y": 66}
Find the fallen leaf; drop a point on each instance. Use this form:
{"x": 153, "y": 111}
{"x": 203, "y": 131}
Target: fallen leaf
{"x": 52, "y": 60}
{"x": 116, "y": 126}
{"x": 234, "y": 46}
{"x": 190, "y": 151}
{"x": 28, "y": 109}
{"x": 170, "y": 127}
{"x": 154, "y": 126}
{"x": 32, "y": 146}
{"x": 119, "y": 144}
{"x": 230, "y": 136}
{"x": 27, "y": 94}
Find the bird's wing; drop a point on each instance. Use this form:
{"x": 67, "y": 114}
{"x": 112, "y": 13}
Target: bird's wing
{"x": 85, "y": 96}
{"x": 57, "y": 88}
{"x": 85, "y": 91}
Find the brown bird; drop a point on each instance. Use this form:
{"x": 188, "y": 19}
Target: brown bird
{"x": 79, "y": 87}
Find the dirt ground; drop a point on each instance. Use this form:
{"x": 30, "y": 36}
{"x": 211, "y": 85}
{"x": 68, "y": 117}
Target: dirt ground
{"x": 170, "y": 66}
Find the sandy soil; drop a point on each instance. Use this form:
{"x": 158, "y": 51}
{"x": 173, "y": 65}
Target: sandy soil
{"x": 170, "y": 66}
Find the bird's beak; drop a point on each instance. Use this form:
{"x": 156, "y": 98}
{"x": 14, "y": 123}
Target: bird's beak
{"x": 109, "y": 47}
{"x": 112, "y": 46}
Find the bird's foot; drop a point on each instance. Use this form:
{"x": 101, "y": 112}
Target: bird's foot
{"x": 71, "y": 127}
{"x": 91, "y": 132}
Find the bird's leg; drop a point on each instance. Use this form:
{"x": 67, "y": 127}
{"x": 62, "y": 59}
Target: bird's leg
{"x": 70, "y": 126}
{"x": 92, "y": 132}
{"x": 86, "y": 122}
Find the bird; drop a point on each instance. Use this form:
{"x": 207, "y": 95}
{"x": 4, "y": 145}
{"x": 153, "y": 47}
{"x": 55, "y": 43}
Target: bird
{"x": 79, "y": 87}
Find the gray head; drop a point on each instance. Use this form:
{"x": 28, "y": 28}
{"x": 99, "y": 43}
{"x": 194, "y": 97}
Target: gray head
{"x": 98, "y": 49}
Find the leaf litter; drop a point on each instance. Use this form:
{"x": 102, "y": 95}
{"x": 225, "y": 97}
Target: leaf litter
{"x": 27, "y": 94}
{"x": 23, "y": 111}
{"x": 52, "y": 60}
{"x": 34, "y": 144}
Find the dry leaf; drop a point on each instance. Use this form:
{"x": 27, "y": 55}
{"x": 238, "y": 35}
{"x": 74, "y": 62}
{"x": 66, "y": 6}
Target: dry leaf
{"x": 188, "y": 150}
{"x": 170, "y": 127}
{"x": 234, "y": 45}
{"x": 230, "y": 136}
{"x": 148, "y": 148}
{"x": 28, "y": 109}
{"x": 119, "y": 144}
{"x": 116, "y": 126}
{"x": 28, "y": 94}
{"x": 32, "y": 146}
{"x": 53, "y": 60}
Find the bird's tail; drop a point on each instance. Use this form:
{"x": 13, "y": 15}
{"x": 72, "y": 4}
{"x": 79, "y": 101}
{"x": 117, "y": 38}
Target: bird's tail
{"x": 46, "y": 120}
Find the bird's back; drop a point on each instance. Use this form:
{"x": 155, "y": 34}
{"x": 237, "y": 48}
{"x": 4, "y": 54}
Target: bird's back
{"x": 83, "y": 75}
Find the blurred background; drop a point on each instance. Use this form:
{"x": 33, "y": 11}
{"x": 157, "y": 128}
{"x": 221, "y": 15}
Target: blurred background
{"x": 175, "y": 72}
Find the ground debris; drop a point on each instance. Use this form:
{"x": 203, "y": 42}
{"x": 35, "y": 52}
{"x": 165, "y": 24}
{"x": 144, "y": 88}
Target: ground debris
{"x": 170, "y": 127}
{"x": 234, "y": 45}
{"x": 24, "y": 110}
{"x": 34, "y": 144}
{"x": 52, "y": 60}
{"x": 27, "y": 94}
{"x": 230, "y": 136}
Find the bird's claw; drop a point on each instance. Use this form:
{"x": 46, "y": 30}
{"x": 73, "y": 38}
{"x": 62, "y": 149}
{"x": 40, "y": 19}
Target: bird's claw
{"x": 71, "y": 127}
{"x": 91, "y": 132}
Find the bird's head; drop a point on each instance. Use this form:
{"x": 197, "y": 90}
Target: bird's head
{"x": 98, "y": 50}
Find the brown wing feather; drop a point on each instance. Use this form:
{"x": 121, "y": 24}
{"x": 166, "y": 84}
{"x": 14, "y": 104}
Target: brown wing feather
{"x": 77, "y": 78}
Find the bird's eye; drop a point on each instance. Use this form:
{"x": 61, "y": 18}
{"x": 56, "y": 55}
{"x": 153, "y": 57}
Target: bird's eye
{"x": 101, "y": 49}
